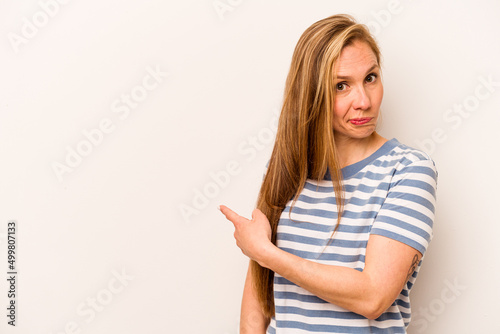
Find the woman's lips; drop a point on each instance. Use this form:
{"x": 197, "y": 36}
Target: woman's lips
{"x": 360, "y": 121}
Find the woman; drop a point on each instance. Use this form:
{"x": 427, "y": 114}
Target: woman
{"x": 344, "y": 215}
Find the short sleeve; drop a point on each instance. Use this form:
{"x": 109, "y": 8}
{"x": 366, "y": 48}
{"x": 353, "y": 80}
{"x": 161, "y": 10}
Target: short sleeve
{"x": 407, "y": 214}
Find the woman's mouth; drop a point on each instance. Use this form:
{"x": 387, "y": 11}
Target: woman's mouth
{"x": 360, "y": 121}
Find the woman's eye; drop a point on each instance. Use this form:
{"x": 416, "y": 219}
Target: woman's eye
{"x": 371, "y": 78}
{"x": 341, "y": 86}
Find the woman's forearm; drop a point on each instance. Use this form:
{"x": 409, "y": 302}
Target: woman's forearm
{"x": 345, "y": 287}
{"x": 252, "y": 320}
{"x": 369, "y": 292}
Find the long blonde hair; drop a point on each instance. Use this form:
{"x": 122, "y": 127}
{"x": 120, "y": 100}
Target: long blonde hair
{"x": 305, "y": 145}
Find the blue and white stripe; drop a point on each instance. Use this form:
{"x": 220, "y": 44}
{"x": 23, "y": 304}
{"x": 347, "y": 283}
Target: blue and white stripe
{"x": 391, "y": 193}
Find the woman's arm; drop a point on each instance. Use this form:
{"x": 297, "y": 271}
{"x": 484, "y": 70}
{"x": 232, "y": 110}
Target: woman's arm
{"x": 388, "y": 263}
{"x": 252, "y": 320}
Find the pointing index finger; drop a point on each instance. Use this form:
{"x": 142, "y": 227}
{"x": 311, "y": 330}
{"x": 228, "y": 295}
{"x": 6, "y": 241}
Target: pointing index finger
{"x": 231, "y": 215}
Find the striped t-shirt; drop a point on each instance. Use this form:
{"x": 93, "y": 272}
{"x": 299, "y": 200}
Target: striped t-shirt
{"x": 390, "y": 193}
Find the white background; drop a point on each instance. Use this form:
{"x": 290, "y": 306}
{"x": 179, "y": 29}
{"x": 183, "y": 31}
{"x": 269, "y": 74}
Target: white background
{"x": 119, "y": 209}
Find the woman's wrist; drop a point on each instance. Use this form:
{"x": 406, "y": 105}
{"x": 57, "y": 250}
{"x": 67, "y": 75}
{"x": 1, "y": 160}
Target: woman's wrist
{"x": 266, "y": 255}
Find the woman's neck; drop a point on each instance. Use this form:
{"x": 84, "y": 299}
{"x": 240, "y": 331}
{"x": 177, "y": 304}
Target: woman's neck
{"x": 352, "y": 150}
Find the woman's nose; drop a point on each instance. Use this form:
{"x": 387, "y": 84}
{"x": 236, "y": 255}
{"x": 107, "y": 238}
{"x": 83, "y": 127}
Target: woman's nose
{"x": 361, "y": 99}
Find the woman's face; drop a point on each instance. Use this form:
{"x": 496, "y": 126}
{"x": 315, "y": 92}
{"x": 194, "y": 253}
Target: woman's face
{"x": 359, "y": 92}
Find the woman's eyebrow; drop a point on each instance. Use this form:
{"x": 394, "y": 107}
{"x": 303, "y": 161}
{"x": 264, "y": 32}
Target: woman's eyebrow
{"x": 346, "y": 77}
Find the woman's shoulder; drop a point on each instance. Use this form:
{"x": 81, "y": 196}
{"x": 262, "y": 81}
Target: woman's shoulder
{"x": 409, "y": 159}
{"x": 406, "y": 154}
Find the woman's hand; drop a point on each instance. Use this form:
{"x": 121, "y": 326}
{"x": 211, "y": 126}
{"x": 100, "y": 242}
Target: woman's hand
{"x": 253, "y": 237}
